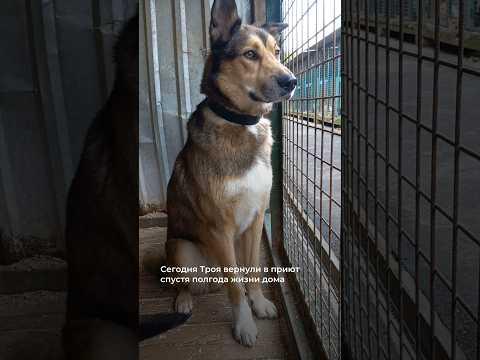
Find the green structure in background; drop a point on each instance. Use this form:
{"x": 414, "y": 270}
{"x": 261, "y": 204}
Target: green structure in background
{"x": 319, "y": 81}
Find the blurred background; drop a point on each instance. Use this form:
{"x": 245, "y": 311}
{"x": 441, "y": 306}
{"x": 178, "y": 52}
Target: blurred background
{"x": 56, "y": 71}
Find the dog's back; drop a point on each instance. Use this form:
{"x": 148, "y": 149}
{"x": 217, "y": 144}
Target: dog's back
{"x": 102, "y": 221}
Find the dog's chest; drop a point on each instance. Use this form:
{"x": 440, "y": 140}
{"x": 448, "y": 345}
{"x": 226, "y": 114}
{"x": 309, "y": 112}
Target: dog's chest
{"x": 248, "y": 193}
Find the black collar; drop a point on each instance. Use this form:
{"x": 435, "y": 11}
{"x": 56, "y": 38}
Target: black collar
{"x": 233, "y": 117}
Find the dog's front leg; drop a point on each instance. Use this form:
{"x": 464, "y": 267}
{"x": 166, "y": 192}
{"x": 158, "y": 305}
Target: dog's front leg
{"x": 251, "y": 240}
{"x": 244, "y": 328}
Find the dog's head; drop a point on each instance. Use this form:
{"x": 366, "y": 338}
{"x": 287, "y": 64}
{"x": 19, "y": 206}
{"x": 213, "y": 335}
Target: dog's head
{"x": 243, "y": 70}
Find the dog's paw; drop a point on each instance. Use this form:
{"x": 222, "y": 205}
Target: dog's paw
{"x": 184, "y": 302}
{"x": 245, "y": 332}
{"x": 264, "y": 308}
{"x": 244, "y": 328}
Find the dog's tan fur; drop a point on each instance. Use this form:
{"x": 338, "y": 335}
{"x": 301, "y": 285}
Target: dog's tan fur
{"x": 220, "y": 186}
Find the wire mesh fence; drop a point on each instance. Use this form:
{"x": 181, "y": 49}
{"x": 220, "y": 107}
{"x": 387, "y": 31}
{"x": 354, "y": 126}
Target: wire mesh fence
{"x": 312, "y": 160}
{"x": 411, "y": 169}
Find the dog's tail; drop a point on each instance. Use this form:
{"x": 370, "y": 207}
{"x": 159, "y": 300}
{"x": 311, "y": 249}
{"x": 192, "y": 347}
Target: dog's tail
{"x": 152, "y": 325}
{"x": 155, "y": 324}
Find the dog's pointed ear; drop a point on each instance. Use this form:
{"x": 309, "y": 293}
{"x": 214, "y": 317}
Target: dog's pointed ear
{"x": 224, "y": 21}
{"x": 274, "y": 28}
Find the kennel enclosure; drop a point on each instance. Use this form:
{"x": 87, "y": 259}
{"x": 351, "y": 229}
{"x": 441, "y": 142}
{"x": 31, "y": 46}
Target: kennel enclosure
{"x": 410, "y": 232}
{"x": 311, "y": 164}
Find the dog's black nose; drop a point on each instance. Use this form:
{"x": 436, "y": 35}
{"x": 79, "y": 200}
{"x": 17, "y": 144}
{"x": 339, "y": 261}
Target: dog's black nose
{"x": 287, "y": 82}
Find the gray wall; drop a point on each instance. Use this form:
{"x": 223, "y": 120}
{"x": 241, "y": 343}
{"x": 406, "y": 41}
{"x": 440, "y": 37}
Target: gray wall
{"x": 56, "y": 73}
{"x": 173, "y": 49}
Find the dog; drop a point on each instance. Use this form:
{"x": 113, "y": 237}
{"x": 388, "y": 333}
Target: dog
{"x": 102, "y": 223}
{"x": 220, "y": 185}
{"x": 102, "y": 228}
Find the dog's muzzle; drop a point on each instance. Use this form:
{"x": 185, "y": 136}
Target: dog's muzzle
{"x": 287, "y": 82}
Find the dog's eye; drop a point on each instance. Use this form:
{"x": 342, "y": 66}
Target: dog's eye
{"x": 250, "y": 54}
{"x": 277, "y": 52}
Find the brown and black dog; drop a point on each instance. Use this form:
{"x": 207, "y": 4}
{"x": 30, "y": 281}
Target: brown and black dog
{"x": 220, "y": 186}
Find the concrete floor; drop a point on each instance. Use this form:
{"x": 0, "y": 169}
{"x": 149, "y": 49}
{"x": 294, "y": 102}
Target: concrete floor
{"x": 31, "y": 321}
{"x": 207, "y": 334}
{"x": 30, "y": 325}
